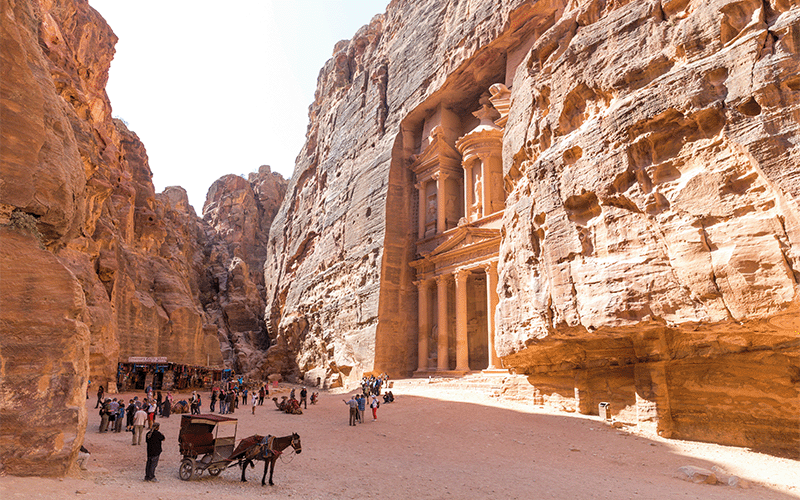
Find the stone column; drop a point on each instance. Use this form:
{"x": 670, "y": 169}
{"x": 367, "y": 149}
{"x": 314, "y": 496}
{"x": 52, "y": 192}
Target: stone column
{"x": 497, "y": 199}
{"x": 443, "y": 362}
{"x": 491, "y": 306}
{"x": 468, "y": 190}
{"x": 462, "y": 341}
{"x": 441, "y": 201}
{"x": 424, "y": 324}
{"x": 423, "y": 209}
{"x": 485, "y": 187}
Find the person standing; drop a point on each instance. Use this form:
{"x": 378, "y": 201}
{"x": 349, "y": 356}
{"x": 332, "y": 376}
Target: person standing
{"x": 362, "y": 405}
{"x": 262, "y": 393}
{"x": 353, "y": 404}
{"x": 223, "y": 401}
{"x": 303, "y": 397}
{"x": 130, "y": 411}
{"x": 230, "y": 401}
{"x": 213, "y": 399}
{"x": 139, "y": 419}
{"x": 244, "y": 396}
{"x": 105, "y": 413}
{"x": 154, "y": 439}
{"x": 100, "y": 393}
{"x": 375, "y": 405}
{"x": 120, "y": 415}
{"x": 167, "y": 409}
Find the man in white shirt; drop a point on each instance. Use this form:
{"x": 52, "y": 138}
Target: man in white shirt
{"x": 139, "y": 419}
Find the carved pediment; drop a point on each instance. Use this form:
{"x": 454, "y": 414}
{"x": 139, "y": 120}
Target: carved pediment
{"x": 438, "y": 152}
{"x": 466, "y": 238}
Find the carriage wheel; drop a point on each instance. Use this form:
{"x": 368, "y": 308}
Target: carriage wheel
{"x": 186, "y": 469}
{"x": 214, "y": 471}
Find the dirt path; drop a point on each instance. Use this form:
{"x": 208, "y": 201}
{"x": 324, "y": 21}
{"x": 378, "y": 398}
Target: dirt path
{"x": 429, "y": 444}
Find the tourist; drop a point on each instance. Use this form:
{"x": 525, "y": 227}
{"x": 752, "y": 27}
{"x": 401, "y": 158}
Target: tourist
{"x": 244, "y": 396}
{"x": 83, "y": 458}
{"x": 375, "y": 405}
{"x": 113, "y": 410}
{"x": 213, "y": 399}
{"x": 105, "y": 410}
{"x": 291, "y": 394}
{"x": 151, "y": 413}
{"x": 262, "y": 393}
{"x": 193, "y": 407}
{"x": 303, "y": 396}
{"x": 159, "y": 400}
{"x": 120, "y": 415}
{"x": 353, "y": 404}
{"x": 230, "y": 401}
{"x": 223, "y": 401}
{"x": 100, "y": 393}
{"x": 388, "y": 397}
{"x": 139, "y": 419}
{"x": 362, "y": 405}
{"x": 254, "y": 401}
{"x": 130, "y": 410}
{"x": 154, "y": 439}
{"x": 314, "y": 397}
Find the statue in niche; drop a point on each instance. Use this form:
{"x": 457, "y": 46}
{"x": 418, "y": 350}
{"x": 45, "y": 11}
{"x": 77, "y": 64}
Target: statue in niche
{"x": 431, "y": 215}
{"x": 477, "y": 204}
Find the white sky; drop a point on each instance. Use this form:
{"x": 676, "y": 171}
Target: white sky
{"x": 215, "y": 88}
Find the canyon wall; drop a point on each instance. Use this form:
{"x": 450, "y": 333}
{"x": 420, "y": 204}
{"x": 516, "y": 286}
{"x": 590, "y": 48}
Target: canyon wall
{"x": 237, "y": 216}
{"x": 97, "y": 266}
{"x": 652, "y": 228}
{"x": 649, "y": 243}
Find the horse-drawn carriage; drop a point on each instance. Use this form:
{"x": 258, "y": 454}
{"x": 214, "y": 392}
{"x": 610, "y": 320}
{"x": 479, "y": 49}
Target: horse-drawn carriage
{"x": 208, "y": 443}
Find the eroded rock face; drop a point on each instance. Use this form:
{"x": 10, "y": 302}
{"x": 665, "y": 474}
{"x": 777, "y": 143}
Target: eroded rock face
{"x": 118, "y": 269}
{"x": 654, "y": 219}
{"x": 44, "y": 344}
{"x": 237, "y": 217}
{"x": 649, "y": 253}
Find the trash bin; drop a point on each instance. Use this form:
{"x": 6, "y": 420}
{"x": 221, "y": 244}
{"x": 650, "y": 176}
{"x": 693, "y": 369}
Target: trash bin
{"x": 605, "y": 411}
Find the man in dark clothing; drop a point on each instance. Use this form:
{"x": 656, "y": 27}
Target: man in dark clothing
{"x": 154, "y": 439}
{"x": 303, "y": 400}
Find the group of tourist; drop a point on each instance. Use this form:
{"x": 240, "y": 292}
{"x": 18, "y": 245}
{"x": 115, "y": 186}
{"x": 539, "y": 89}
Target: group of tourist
{"x": 371, "y": 386}
{"x": 228, "y": 399}
{"x": 358, "y": 404}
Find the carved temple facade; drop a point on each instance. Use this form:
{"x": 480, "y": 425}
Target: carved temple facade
{"x": 458, "y": 178}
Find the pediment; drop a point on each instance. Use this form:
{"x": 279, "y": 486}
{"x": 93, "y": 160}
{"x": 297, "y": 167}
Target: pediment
{"x": 466, "y": 237}
{"x": 438, "y": 151}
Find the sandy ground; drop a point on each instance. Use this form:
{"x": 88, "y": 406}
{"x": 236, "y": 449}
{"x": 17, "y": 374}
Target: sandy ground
{"x": 429, "y": 443}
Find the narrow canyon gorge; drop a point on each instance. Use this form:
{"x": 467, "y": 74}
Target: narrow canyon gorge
{"x": 595, "y": 201}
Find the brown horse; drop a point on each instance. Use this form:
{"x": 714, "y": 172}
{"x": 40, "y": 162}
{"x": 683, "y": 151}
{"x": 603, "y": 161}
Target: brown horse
{"x": 269, "y": 451}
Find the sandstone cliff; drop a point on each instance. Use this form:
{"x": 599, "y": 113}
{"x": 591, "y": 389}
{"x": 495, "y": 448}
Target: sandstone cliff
{"x": 649, "y": 250}
{"x": 237, "y": 215}
{"x": 96, "y": 266}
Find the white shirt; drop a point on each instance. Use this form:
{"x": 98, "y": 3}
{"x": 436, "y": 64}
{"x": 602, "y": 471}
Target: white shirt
{"x": 140, "y": 417}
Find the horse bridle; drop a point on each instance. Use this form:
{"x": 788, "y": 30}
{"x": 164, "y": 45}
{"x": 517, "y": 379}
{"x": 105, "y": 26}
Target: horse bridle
{"x": 296, "y": 447}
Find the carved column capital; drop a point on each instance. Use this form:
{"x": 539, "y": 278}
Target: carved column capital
{"x": 443, "y": 278}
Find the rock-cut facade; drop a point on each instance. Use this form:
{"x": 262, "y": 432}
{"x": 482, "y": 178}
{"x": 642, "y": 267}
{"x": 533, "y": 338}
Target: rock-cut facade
{"x": 599, "y": 196}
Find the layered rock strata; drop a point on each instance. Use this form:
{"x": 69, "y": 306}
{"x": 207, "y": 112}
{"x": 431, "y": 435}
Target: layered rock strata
{"x": 649, "y": 241}
{"x": 236, "y": 216}
{"x": 96, "y": 266}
